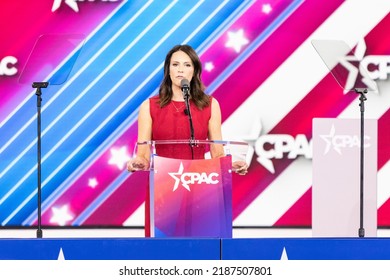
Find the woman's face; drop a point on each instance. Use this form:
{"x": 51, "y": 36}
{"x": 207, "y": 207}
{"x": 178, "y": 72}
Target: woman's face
{"x": 180, "y": 67}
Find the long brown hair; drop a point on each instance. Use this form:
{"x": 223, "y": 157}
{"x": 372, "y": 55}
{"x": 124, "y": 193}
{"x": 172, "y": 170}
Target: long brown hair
{"x": 197, "y": 94}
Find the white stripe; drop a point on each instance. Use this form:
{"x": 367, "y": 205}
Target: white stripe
{"x": 375, "y": 106}
{"x": 137, "y": 218}
{"x": 200, "y": 26}
{"x": 383, "y": 184}
{"x": 283, "y": 91}
{"x": 282, "y": 193}
{"x": 226, "y": 24}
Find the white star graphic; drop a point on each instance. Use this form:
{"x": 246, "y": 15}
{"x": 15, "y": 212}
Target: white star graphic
{"x": 328, "y": 139}
{"x": 70, "y": 3}
{"x": 119, "y": 157}
{"x": 251, "y": 138}
{"x": 266, "y": 8}
{"x": 353, "y": 71}
{"x": 92, "y": 182}
{"x": 177, "y": 179}
{"x": 236, "y": 40}
{"x": 209, "y": 66}
{"x": 255, "y": 135}
{"x": 61, "y": 215}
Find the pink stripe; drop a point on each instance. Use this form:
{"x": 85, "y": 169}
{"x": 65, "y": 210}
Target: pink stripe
{"x": 266, "y": 60}
{"x": 384, "y": 154}
{"x": 383, "y": 158}
{"x": 299, "y": 214}
{"x": 378, "y": 43}
{"x": 253, "y": 22}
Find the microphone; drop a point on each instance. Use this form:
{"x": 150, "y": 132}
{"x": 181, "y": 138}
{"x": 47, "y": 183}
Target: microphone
{"x": 185, "y": 87}
{"x": 185, "y": 84}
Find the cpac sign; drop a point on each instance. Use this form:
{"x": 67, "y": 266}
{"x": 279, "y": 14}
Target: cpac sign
{"x": 338, "y": 142}
{"x": 371, "y": 67}
{"x": 187, "y": 178}
{"x": 7, "y": 66}
{"x": 73, "y": 3}
{"x": 381, "y": 64}
{"x": 275, "y": 146}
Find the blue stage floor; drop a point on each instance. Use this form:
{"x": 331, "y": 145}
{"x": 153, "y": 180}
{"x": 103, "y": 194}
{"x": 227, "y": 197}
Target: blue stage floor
{"x": 195, "y": 249}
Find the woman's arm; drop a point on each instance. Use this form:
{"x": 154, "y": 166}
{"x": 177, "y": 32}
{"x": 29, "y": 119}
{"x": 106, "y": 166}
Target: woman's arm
{"x": 215, "y": 130}
{"x": 142, "y": 159}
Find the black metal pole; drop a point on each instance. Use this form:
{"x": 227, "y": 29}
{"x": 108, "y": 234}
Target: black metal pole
{"x": 39, "y": 103}
{"x": 38, "y": 86}
{"x": 362, "y": 98}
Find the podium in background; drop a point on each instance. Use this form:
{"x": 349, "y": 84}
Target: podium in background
{"x": 345, "y": 68}
{"x": 192, "y": 198}
{"x": 336, "y": 194}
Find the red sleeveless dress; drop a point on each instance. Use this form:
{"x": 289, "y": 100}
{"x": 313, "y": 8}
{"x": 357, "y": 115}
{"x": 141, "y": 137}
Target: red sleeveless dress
{"x": 171, "y": 123}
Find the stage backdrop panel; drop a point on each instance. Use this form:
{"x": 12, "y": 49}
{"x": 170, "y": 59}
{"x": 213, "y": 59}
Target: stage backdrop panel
{"x": 258, "y": 62}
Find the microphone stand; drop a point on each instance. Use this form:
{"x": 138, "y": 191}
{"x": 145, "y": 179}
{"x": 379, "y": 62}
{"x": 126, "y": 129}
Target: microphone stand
{"x": 186, "y": 95}
{"x": 362, "y": 98}
{"x": 38, "y": 93}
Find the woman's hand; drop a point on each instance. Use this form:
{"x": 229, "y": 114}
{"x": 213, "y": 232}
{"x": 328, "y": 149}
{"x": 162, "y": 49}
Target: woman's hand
{"x": 240, "y": 167}
{"x": 137, "y": 164}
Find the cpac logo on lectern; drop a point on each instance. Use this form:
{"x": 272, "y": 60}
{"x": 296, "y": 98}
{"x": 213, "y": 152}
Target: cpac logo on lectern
{"x": 7, "y": 66}
{"x": 73, "y": 3}
{"x": 191, "y": 178}
{"x": 338, "y": 142}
